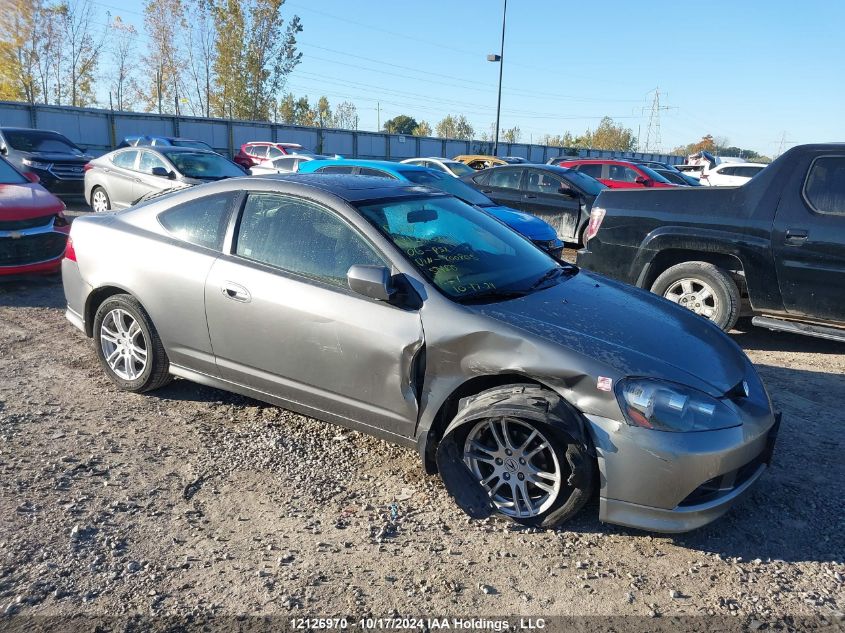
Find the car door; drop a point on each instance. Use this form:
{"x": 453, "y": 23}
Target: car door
{"x": 542, "y": 196}
{"x": 808, "y": 239}
{"x": 121, "y": 178}
{"x": 146, "y": 182}
{"x": 283, "y": 321}
{"x": 502, "y": 185}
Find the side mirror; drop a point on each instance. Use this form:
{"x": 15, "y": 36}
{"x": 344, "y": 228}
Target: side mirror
{"x": 31, "y": 177}
{"x": 4, "y": 150}
{"x": 645, "y": 182}
{"x": 569, "y": 193}
{"x": 161, "y": 172}
{"x": 370, "y": 281}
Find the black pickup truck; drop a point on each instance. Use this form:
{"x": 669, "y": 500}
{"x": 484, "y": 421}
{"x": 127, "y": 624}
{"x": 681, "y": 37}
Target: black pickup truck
{"x": 772, "y": 249}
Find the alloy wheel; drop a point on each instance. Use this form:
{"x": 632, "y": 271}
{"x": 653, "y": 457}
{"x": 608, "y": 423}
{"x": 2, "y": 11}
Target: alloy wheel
{"x": 99, "y": 201}
{"x": 123, "y": 344}
{"x": 515, "y": 464}
{"x": 695, "y": 295}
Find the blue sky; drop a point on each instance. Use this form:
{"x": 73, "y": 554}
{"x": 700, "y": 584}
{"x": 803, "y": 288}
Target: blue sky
{"x": 755, "y": 72}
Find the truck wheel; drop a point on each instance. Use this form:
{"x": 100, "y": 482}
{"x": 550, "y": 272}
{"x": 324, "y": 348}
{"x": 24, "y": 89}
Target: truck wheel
{"x": 703, "y": 288}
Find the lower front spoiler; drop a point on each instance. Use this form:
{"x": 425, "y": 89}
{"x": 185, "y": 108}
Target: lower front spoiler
{"x": 679, "y": 519}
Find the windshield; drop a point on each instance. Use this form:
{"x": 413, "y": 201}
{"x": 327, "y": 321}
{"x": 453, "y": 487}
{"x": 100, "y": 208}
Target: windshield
{"x": 653, "y": 174}
{"x": 585, "y": 183}
{"x": 457, "y": 188}
{"x": 192, "y": 144}
{"x": 468, "y": 255}
{"x": 35, "y": 141}
{"x": 9, "y": 176}
{"x": 203, "y": 165}
{"x": 459, "y": 169}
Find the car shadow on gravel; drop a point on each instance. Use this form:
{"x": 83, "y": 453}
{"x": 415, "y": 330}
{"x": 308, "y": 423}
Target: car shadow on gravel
{"x": 32, "y": 292}
{"x": 187, "y": 391}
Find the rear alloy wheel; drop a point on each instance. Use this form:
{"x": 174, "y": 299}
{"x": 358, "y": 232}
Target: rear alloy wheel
{"x": 100, "y": 200}
{"x": 702, "y": 288}
{"x": 128, "y": 347}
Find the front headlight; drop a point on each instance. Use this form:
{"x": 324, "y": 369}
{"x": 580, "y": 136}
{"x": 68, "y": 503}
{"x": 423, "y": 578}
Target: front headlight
{"x": 667, "y": 406}
{"x": 36, "y": 164}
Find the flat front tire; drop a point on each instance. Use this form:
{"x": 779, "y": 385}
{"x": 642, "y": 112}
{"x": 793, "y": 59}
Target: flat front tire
{"x": 702, "y": 288}
{"x": 534, "y": 472}
{"x": 128, "y": 346}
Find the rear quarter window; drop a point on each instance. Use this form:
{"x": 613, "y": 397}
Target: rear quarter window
{"x": 201, "y": 221}
{"x": 824, "y": 188}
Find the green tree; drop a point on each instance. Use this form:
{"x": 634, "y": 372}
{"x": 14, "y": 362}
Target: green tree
{"x": 255, "y": 51}
{"x": 422, "y": 129}
{"x": 610, "y": 136}
{"x": 164, "y": 63}
{"x": 402, "y": 124}
{"x": 513, "y": 135}
{"x": 19, "y": 41}
{"x": 455, "y": 127}
{"x": 324, "y": 113}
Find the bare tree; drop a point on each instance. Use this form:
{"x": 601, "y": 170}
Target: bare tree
{"x": 123, "y": 55}
{"x": 346, "y": 115}
{"x": 200, "y": 36}
{"x": 82, "y": 48}
{"x": 163, "y": 64}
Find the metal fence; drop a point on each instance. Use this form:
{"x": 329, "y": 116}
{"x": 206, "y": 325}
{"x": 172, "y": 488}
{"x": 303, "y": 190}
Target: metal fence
{"x": 100, "y": 131}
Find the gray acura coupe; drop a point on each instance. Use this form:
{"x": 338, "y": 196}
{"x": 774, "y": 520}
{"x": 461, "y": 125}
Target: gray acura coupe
{"x": 400, "y": 311}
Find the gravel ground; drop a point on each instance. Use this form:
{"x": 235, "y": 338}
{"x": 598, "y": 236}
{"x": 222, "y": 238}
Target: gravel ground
{"x": 192, "y": 502}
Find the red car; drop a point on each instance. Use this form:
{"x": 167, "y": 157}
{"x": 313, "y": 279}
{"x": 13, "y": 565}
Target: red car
{"x": 33, "y": 228}
{"x": 256, "y": 152}
{"x": 618, "y": 174}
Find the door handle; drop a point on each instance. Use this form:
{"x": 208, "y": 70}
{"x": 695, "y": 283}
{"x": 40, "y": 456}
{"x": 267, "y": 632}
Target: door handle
{"x": 795, "y": 237}
{"x": 236, "y": 292}
{"x": 529, "y": 196}
{"x": 486, "y": 191}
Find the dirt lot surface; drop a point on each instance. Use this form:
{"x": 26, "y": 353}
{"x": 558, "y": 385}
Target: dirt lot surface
{"x": 192, "y": 502}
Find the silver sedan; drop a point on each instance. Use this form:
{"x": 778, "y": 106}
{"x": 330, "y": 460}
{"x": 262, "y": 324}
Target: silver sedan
{"x": 528, "y": 384}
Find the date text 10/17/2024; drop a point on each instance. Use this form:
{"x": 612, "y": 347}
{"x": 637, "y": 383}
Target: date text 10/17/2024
{"x": 422, "y": 623}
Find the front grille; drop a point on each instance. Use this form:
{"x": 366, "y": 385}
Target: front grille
{"x": 20, "y": 225}
{"x": 68, "y": 171}
{"x": 30, "y": 249}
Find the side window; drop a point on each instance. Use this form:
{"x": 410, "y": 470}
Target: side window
{"x": 201, "y": 221}
{"x": 543, "y": 182}
{"x": 591, "y": 169}
{"x": 148, "y": 161}
{"x": 505, "y": 178}
{"x": 126, "y": 160}
{"x": 482, "y": 179}
{"x": 825, "y": 185}
{"x": 727, "y": 171}
{"x": 378, "y": 173}
{"x": 286, "y": 164}
{"x": 274, "y": 152}
{"x": 335, "y": 169}
{"x": 301, "y": 237}
{"x": 435, "y": 166}
{"x": 258, "y": 151}
{"x": 622, "y": 173}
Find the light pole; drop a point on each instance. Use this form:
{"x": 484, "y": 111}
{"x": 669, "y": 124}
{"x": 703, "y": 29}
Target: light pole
{"x": 498, "y": 58}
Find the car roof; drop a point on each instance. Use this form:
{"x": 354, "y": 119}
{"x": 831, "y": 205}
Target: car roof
{"x": 375, "y": 164}
{"x": 276, "y": 143}
{"x": 167, "y": 148}
{"x": 347, "y": 187}
{"x": 6, "y": 128}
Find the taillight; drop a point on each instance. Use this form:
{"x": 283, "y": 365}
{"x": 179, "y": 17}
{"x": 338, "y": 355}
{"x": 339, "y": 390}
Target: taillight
{"x": 596, "y": 217}
{"x": 70, "y": 253}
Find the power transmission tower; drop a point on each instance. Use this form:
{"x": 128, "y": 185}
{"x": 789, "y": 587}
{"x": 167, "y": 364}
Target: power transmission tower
{"x": 653, "y": 142}
{"x": 782, "y": 142}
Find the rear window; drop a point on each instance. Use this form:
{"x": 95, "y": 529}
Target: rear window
{"x": 824, "y": 188}
{"x": 201, "y": 221}
{"x": 335, "y": 169}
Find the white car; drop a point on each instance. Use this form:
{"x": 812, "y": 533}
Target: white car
{"x": 730, "y": 174}
{"x": 285, "y": 165}
{"x": 446, "y": 165}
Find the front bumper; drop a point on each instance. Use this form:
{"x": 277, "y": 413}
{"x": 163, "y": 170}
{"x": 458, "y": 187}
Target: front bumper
{"x": 676, "y": 482}
{"x": 71, "y": 186}
{"x": 32, "y": 251}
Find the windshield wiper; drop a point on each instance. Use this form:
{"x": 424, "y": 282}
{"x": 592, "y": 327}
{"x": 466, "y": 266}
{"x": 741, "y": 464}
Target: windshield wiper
{"x": 550, "y": 274}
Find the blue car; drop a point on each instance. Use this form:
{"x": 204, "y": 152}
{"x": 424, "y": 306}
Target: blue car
{"x": 532, "y": 227}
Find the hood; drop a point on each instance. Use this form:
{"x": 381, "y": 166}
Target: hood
{"x": 633, "y": 331}
{"x": 56, "y": 157}
{"x": 25, "y": 201}
{"x": 528, "y": 225}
